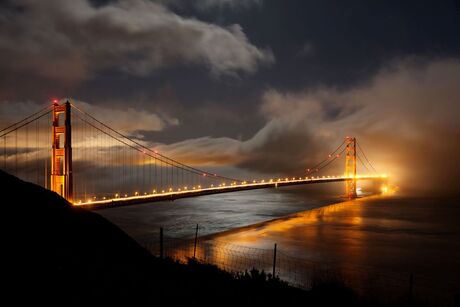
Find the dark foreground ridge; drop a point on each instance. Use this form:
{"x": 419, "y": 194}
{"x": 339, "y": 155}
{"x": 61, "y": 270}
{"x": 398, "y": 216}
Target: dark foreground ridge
{"x": 57, "y": 254}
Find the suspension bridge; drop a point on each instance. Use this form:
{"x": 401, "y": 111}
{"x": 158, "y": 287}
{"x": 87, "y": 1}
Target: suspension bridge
{"x": 69, "y": 151}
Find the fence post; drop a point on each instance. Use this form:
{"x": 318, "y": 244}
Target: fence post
{"x": 161, "y": 242}
{"x": 274, "y": 261}
{"x": 411, "y": 288}
{"x": 196, "y": 238}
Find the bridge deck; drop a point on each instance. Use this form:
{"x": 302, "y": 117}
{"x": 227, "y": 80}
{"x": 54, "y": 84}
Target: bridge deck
{"x": 139, "y": 199}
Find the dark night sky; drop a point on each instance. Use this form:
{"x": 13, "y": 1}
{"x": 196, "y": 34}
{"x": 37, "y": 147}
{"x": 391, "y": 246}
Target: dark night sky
{"x": 262, "y": 85}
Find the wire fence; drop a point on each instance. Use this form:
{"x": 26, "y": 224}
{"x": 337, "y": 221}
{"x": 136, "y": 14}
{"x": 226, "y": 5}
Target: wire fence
{"x": 367, "y": 282}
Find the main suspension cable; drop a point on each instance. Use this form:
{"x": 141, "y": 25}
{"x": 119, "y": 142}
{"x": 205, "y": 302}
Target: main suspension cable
{"x": 26, "y": 118}
{"x": 365, "y": 157}
{"x": 202, "y": 172}
{"x": 318, "y": 166}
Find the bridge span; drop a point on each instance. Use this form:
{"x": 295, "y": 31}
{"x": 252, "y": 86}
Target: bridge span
{"x": 198, "y": 191}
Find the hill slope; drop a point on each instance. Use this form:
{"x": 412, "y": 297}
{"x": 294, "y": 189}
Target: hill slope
{"x": 59, "y": 253}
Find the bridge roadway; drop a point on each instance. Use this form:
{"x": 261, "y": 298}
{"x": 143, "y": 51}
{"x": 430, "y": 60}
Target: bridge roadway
{"x": 234, "y": 187}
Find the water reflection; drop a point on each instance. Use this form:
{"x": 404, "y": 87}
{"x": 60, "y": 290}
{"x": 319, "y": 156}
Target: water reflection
{"x": 393, "y": 235}
{"x": 300, "y": 232}
{"x": 215, "y": 213}
{"x": 388, "y": 233}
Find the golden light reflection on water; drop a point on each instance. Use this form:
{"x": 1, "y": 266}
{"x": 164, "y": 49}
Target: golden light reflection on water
{"x": 337, "y": 233}
{"x": 332, "y": 230}
{"x": 371, "y": 242}
{"x": 302, "y": 221}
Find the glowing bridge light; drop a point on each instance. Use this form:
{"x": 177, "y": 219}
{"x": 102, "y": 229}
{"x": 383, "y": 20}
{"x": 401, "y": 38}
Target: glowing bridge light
{"x": 384, "y": 189}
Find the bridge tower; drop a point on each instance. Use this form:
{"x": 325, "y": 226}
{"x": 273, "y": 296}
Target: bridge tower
{"x": 61, "y": 157}
{"x": 350, "y": 167}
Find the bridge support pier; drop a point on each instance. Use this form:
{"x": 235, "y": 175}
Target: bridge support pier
{"x": 61, "y": 157}
{"x": 350, "y": 168}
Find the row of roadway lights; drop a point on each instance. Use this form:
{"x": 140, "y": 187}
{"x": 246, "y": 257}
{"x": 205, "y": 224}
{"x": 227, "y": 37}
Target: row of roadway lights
{"x": 222, "y": 185}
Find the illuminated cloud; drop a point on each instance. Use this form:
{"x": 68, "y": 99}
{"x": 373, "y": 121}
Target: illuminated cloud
{"x": 127, "y": 120}
{"x": 69, "y": 41}
{"x": 404, "y": 118}
{"x": 204, "y": 151}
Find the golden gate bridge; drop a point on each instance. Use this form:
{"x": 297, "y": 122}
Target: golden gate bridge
{"x": 69, "y": 151}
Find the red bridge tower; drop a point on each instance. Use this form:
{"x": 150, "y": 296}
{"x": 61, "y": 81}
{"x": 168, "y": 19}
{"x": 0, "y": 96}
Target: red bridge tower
{"x": 350, "y": 167}
{"x": 61, "y": 157}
